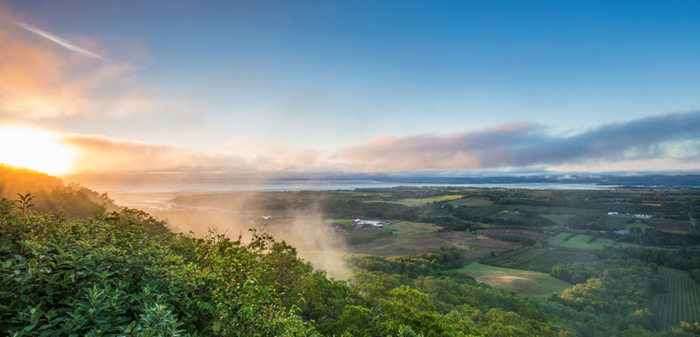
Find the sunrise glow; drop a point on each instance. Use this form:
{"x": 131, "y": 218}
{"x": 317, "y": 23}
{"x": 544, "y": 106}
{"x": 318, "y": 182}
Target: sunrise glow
{"x": 36, "y": 150}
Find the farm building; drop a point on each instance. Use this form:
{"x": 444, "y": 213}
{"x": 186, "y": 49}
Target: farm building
{"x": 613, "y": 213}
{"x": 642, "y": 216}
{"x": 623, "y": 232}
{"x": 373, "y": 223}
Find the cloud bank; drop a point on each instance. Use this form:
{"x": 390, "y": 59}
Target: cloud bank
{"x": 522, "y": 144}
{"x": 673, "y": 139}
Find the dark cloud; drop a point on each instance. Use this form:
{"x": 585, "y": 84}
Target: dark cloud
{"x": 525, "y": 144}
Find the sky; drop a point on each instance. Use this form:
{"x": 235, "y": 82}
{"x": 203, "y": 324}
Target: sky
{"x": 438, "y": 87}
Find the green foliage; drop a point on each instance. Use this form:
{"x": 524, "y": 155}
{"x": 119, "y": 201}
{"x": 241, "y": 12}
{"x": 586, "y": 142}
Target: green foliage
{"x": 123, "y": 277}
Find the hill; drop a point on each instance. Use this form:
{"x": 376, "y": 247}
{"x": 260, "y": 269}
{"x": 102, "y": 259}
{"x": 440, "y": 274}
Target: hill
{"x": 51, "y": 194}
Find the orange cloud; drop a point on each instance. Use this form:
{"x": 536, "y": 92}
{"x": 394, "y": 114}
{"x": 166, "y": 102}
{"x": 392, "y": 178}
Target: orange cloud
{"x": 102, "y": 154}
{"x": 43, "y": 75}
{"x": 97, "y": 154}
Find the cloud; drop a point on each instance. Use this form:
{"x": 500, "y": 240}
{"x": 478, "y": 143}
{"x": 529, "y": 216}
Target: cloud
{"x": 45, "y": 76}
{"x": 99, "y": 154}
{"x": 651, "y": 143}
{"x": 104, "y": 154}
{"x": 62, "y": 42}
{"x": 522, "y": 144}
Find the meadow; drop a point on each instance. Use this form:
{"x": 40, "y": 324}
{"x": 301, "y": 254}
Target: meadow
{"x": 524, "y": 283}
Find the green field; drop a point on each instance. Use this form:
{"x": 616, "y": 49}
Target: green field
{"x": 558, "y": 218}
{"x": 403, "y": 227}
{"x": 538, "y": 259}
{"x": 681, "y": 304}
{"x": 580, "y": 241}
{"x": 472, "y": 201}
{"x": 525, "y": 283}
{"x": 613, "y": 222}
{"x": 434, "y": 210}
{"x": 423, "y": 201}
{"x": 641, "y": 225}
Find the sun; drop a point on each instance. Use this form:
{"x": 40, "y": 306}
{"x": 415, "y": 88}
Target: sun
{"x": 37, "y": 150}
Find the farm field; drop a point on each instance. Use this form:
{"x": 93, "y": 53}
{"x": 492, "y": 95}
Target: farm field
{"x": 566, "y": 210}
{"x": 670, "y": 225}
{"x": 478, "y": 246}
{"x": 423, "y": 201}
{"x": 558, "y": 218}
{"x": 524, "y": 283}
{"x": 681, "y": 304}
{"x": 557, "y": 239}
{"x": 406, "y": 244}
{"x": 538, "y": 259}
{"x": 403, "y": 227}
{"x": 474, "y": 247}
{"x": 434, "y": 210}
{"x": 472, "y": 201}
{"x": 580, "y": 241}
{"x": 610, "y": 222}
{"x": 641, "y": 225}
{"x": 364, "y": 231}
{"x": 500, "y": 233}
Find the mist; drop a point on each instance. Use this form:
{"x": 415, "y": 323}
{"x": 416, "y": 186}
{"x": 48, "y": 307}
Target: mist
{"x": 284, "y": 215}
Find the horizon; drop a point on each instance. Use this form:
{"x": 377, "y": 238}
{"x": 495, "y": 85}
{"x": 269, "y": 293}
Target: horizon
{"x": 315, "y": 89}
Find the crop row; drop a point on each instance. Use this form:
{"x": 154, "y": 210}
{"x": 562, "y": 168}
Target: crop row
{"x": 539, "y": 259}
{"x": 681, "y": 304}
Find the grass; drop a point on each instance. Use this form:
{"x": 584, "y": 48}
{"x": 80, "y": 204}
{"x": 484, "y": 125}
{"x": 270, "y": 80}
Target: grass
{"x": 558, "y": 218}
{"x": 403, "y": 227}
{"x": 525, "y": 283}
{"x": 434, "y": 210}
{"x": 641, "y": 225}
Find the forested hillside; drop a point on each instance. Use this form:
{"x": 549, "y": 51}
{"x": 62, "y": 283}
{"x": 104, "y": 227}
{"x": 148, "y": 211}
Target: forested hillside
{"x": 51, "y": 195}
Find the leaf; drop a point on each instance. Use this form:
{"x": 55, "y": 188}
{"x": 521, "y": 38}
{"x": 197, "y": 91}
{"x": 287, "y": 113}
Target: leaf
{"x": 49, "y": 290}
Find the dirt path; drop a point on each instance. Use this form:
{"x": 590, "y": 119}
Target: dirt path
{"x": 692, "y": 222}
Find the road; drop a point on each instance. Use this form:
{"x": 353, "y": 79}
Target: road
{"x": 692, "y": 222}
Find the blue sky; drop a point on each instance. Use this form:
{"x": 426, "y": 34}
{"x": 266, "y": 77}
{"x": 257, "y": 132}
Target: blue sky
{"x": 299, "y": 85}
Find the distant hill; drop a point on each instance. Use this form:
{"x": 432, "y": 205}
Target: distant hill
{"x": 51, "y": 194}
